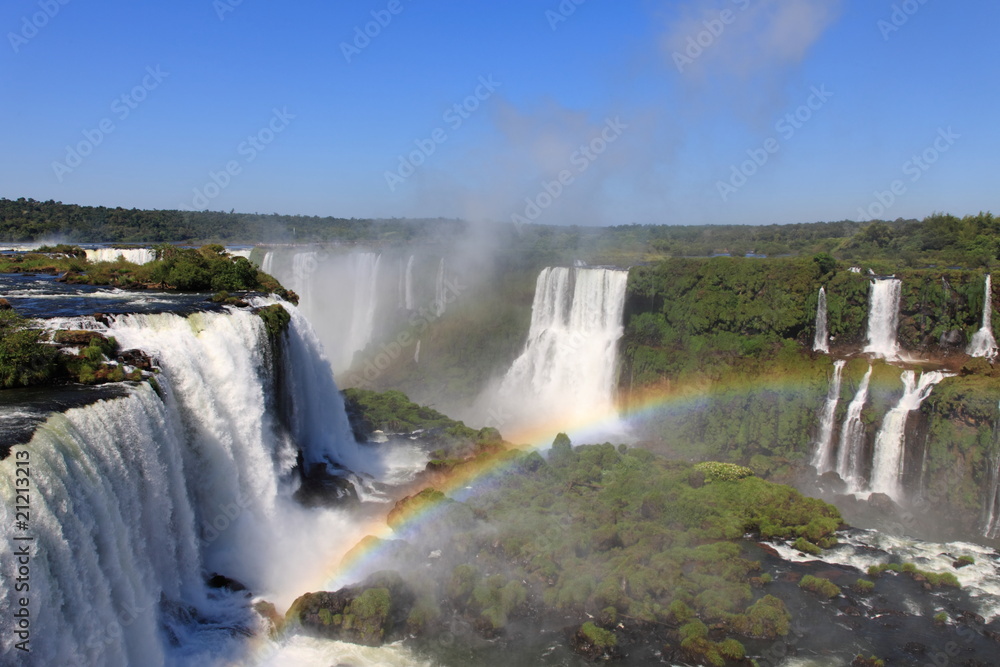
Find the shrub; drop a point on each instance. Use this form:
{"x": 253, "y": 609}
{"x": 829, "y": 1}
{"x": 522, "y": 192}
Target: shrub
{"x": 819, "y": 586}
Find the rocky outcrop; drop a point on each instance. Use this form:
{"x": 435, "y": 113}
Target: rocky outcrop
{"x": 371, "y": 614}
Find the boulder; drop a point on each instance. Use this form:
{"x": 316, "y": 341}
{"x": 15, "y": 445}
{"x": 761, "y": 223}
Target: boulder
{"x": 77, "y": 338}
{"x": 5, "y": 305}
{"x": 372, "y": 613}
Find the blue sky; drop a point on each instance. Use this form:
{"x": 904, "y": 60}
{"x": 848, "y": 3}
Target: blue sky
{"x": 280, "y": 107}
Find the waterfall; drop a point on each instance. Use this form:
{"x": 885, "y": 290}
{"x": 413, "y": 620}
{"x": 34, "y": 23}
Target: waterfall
{"x": 135, "y": 500}
{"x": 852, "y": 436}
{"x": 134, "y": 255}
{"x": 883, "y": 318}
{"x": 821, "y": 343}
{"x": 267, "y": 265}
{"x": 824, "y": 442}
{"x": 410, "y": 301}
{"x": 890, "y": 443}
{"x": 567, "y": 371}
{"x": 440, "y": 302}
{"x": 991, "y": 525}
{"x": 983, "y": 343}
{"x": 340, "y": 295}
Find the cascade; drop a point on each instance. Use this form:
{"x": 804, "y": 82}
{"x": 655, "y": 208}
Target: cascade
{"x": 134, "y": 255}
{"x": 821, "y": 342}
{"x": 339, "y": 294}
{"x": 135, "y": 500}
{"x": 824, "y": 441}
{"x": 852, "y": 436}
{"x": 410, "y": 301}
{"x": 991, "y": 524}
{"x": 567, "y": 370}
{"x": 883, "y": 318}
{"x": 440, "y": 300}
{"x": 983, "y": 343}
{"x": 890, "y": 443}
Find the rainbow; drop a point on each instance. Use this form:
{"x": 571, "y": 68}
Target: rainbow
{"x": 672, "y": 400}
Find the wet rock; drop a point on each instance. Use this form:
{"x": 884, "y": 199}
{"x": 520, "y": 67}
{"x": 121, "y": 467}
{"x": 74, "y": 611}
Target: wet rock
{"x": 952, "y": 338}
{"x": 221, "y": 581}
{"x": 915, "y": 648}
{"x": 267, "y": 611}
{"x": 136, "y": 358}
{"x": 372, "y": 613}
{"x": 77, "y": 338}
{"x": 323, "y": 488}
{"x": 882, "y": 503}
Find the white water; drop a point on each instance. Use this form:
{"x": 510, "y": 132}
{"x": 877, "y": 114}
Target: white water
{"x": 134, "y": 255}
{"x": 139, "y": 498}
{"x": 339, "y": 295}
{"x": 821, "y": 342}
{"x": 852, "y": 437}
{"x": 883, "y": 318}
{"x": 410, "y": 301}
{"x": 983, "y": 343}
{"x": 822, "y": 458}
{"x": 566, "y": 374}
{"x": 991, "y": 523}
{"x": 863, "y": 548}
{"x": 890, "y": 443}
{"x": 440, "y": 298}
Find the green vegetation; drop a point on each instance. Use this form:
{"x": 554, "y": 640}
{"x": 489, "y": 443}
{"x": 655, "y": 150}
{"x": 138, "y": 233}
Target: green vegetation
{"x": 24, "y": 359}
{"x": 715, "y": 471}
{"x": 863, "y": 586}
{"x": 941, "y": 618}
{"x": 276, "y": 319}
{"x": 820, "y": 586}
{"x": 599, "y": 637}
{"x": 933, "y": 578}
{"x": 208, "y": 268}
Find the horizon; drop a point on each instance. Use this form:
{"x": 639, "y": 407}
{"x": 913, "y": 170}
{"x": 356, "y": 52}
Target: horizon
{"x": 702, "y": 112}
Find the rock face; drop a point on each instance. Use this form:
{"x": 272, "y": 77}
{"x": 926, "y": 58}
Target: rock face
{"x": 372, "y": 614}
{"x": 78, "y": 338}
{"x": 321, "y": 488}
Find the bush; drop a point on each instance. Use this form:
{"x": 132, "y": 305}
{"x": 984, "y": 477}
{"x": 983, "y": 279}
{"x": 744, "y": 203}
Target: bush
{"x": 863, "y": 586}
{"x": 24, "y": 359}
{"x": 820, "y": 586}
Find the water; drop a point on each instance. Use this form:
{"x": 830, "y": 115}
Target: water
{"x": 983, "y": 343}
{"x": 852, "y": 437}
{"x": 883, "y": 318}
{"x": 340, "y": 294}
{"x": 821, "y": 342}
{"x": 42, "y": 296}
{"x": 822, "y": 457}
{"x": 565, "y": 377}
{"x": 889, "y": 456}
{"x": 991, "y": 523}
{"x": 134, "y": 255}
{"x": 135, "y": 499}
